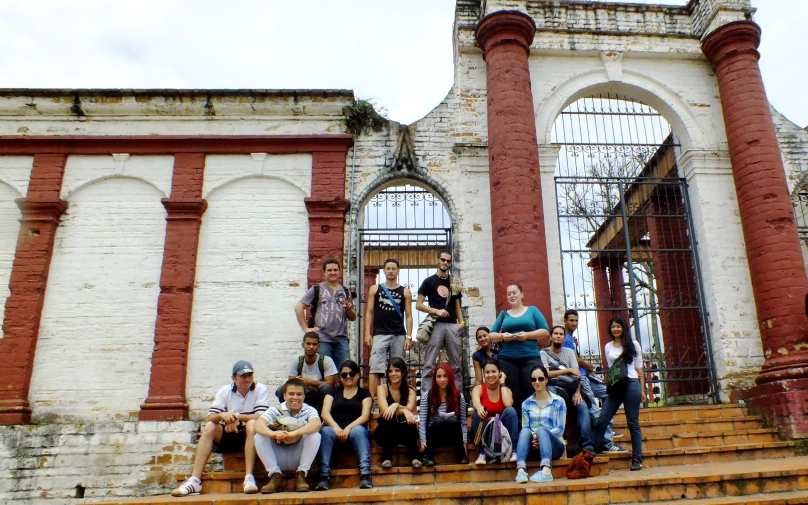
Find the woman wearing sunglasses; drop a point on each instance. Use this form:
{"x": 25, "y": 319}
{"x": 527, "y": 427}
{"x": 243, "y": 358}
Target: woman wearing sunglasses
{"x": 543, "y": 418}
{"x": 346, "y": 412}
{"x": 397, "y": 423}
{"x": 443, "y": 417}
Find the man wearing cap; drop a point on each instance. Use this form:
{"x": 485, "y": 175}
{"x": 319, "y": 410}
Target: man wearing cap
{"x": 227, "y": 427}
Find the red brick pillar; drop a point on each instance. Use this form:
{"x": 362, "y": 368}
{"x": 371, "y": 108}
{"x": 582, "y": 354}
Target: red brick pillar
{"x": 776, "y": 266}
{"x": 603, "y": 300}
{"x": 618, "y": 288}
{"x": 166, "y": 400}
{"x": 517, "y": 217}
{"x": 327, "y": 207}
{"x": 41, "y": 210}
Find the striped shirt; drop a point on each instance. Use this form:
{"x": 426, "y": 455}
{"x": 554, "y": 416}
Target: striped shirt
{"x": 228, "y": 399}
{"x": 553, "y": 416}
{"x": 441, "y": 412}
{"x": 306, "y": 413}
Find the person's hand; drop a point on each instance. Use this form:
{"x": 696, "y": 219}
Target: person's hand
{"x": 643, "y": 397}
{"x": 482, "y": 412}
{"x": 423, "y": 447}
{"x": 231, "y": 427}
{"x": 534, "y": 442}
{"x": 277, "y": 436}
{"x": 507, "y": 337}
{"x": 502, "y": 377}
{"x": 342, "y": 435}
{"x": 315, "y": 330}
{"x": 347, "y": 305}
{"x": 390, "y": 411}
{"x": 461, "y": 325}
{"x": 576, "y": 398}
{"x": 410, "y": 417}
{"x": 521, "y": 336}
{"x": 407, "y": 343}
{"x": 574, "y": 371}
{"x": 229, "y": 417}
{"x": 369, "y": 340}
{"x": 442, "y": 313}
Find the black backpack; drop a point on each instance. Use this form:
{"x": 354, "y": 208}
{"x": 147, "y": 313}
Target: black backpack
{"x": 315, "y": 301}
{"x": 320, "y": 364}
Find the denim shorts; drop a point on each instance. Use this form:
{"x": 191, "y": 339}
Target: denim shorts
{"x": 382, "y": 345}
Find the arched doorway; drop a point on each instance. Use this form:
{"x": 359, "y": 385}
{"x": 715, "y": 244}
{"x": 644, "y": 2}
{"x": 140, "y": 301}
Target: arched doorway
{"x": 626, "y": 243}
{"x": 409, "y": 223}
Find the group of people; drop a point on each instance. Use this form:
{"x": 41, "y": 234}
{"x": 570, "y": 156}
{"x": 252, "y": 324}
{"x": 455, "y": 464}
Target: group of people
{"x": 530, "y": 389}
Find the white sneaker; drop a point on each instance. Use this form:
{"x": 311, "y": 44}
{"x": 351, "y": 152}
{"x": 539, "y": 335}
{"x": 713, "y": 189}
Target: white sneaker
{"x": 249, "y": 484}
{"x": 513, "y": 457}
{"x": 480, "y": 460}
{"x": 192, "y": 485}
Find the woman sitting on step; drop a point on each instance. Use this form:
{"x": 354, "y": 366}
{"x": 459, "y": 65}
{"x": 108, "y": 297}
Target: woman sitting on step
{"x": 397, "y": 424}
{"x": 346, "y": 412}
{"x": 443, "y": 417}
{"x": 489, "y": 399}
{"x": 543, "y": 417}
{"x": 486, "y": 351}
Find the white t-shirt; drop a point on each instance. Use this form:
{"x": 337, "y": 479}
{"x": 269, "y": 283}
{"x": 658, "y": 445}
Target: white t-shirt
{"x": 313, "y": 371}
{"x": 228, "y": 400}
{"x": 612, "y": 353}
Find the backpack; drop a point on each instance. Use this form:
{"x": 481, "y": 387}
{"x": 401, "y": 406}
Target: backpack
{"x": 315, "y": 302}
{"x": 320, "y": 365}
{"x": 496, "y": 441}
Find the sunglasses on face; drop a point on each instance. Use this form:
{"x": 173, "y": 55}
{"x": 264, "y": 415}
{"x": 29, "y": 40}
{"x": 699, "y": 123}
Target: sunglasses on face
{"x": 446, "y": 261}
{"x": 538, "y": 379}
{"x": 346, "y": 375}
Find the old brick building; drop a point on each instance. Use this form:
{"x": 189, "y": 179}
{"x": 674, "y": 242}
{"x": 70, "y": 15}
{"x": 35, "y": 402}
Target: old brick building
{"x": 139, "y": 229}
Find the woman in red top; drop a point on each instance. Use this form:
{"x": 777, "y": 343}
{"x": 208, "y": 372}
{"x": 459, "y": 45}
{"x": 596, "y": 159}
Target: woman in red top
{"x": 489, "y": 399}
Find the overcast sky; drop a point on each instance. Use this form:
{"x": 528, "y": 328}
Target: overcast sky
{"x": 398, "y": 53}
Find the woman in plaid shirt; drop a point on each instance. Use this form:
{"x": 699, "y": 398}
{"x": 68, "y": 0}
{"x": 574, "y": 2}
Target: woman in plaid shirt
{"x": 543, "y": 418}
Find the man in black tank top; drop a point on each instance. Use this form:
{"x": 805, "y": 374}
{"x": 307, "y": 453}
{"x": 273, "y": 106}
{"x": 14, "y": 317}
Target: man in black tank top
{"x": 388, "y": 322}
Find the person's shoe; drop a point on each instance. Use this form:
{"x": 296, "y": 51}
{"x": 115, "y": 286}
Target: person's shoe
{"x": 274, "y": 485}
{"x": 387, "y": 464}
{"x": 301, "y": 486}
{"x": 540, "y": 476}
{"x": 322, "y": 484}
{"x": 464, "y": 461}
{"x": 428, "y": 461}
{"x": 480, "y": 460}
{"x": 521, "y": 476}
{"x": 365, "y": 482}
{"x": 249, "y": 484}
{"x": 416, "y": 463}
{"x": 513, "y": 458}
{"x": 636, "y": 466}
{"x": 192, "y": 485}
{"x": 616, "y": 434}
{"x": 615, "y": 448}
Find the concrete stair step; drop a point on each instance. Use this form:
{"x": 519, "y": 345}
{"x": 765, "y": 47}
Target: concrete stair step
{"x": 733, "y": 482}
{"x": 674, "y": 427}
{"x": 699, "y": 455}
{"x": 652, "y": 442}
{"x": 687, "y": 412}
{"x": 787, "y": 498}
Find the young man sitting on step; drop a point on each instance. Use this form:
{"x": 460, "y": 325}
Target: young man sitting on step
{"x": 318, "y": 372}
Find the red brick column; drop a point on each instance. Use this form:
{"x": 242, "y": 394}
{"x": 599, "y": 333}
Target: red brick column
{"x": 41, "y": 210}
{"x": 327, "y": 207}
{"x": 618, "y": 287}
{"x": 517, "y": 218}
{"x": 166, "y": 400}
{"x": 778, "y": 274}
{"x": 603, "y": 301}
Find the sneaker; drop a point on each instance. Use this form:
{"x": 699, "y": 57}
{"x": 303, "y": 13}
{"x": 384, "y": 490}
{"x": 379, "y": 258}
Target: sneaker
{"x": 616, "y": 434}
{"x": 274, "y": 485}
{"x": 322, "y": 484}
{"x": 480, "y": 460}
{"x": 387, "y": 464}
{"x": 521, "y": 476}
{"x": 615, "y": 448}
{"x": 301, "y": 486}
{"x": 192, "y": 485}
{"x": 416, "y": 463}
{"x": 428, "y": 461}
{"x": 249, "y": 484}
{"x": 540, "y": 476}
{"x": 365, "y": 482}
{"x": 636, "y": 466}
{"x": 513, "y": 458}
{"x": 464, "y": 461}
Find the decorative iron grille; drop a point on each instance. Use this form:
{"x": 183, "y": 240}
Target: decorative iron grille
{"x": 800, "y": 200}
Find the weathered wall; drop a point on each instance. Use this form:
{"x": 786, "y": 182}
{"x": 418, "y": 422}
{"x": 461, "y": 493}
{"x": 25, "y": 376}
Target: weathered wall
{"x": 14, "y": 174}
{"x": 793, "y": 142}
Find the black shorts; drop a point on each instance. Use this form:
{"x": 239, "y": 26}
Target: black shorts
{"x": 231, "y": 442}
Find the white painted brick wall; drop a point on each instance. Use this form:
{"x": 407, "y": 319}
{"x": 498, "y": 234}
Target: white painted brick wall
{"x": 251, "y": 270}
{"x": 15, "y": 171}
{"x": 97, "y": 333}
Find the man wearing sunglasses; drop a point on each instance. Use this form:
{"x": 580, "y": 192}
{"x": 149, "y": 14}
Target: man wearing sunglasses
{"x": 444, "y": 303}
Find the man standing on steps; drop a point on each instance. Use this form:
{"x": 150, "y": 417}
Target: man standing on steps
{"x": 331, "y": 308}
{"x": 317, "y": 372}
{"x": 227, "y": 427}
{"x": 385, "y": 320}
{"x": 444, "y": 304}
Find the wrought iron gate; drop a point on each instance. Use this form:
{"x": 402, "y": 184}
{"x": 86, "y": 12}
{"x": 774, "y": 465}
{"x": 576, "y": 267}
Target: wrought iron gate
{"x": 409, "y": 224}
{"x": 627, "y": 244}
{"x": 800, "y": 200}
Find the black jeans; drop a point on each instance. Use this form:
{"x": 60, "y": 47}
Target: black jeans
{"x": 445, "y": 431}
{"x": 389, "y": 434}
{"x": 517, "y": 378}
{"x": 630, "y": 397}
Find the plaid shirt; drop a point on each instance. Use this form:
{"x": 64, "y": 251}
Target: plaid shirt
{"x": 553, "y": 416}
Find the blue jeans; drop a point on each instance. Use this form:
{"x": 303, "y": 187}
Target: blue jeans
{"x": 358, "y": 437}
{"x": 630, "y": 398}
{"x": 584, "y": 425}
{"x": 339, "y": 351}
{"x": 550, "y": 447}
{"x": 509, "y": 421}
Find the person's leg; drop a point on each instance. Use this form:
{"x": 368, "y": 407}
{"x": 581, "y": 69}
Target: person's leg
{"x": 584, "y": 426}
{"x": 607, "y": 412}
{"x": 383, "y": 436}
{"x": 545, "y": 439}
{"x": 455, "y": 437}
{"x": 452, "y": 343}
{"x": 431, "y": 355}
{"x": 340, "y": 351}
{"x": 475, "y": 425}
{"x": 378, "y": 361}
{"x": 358, "y": 437}
{"x": 410, "y": 440}
{"x": 309, "y": 445}
{"x": 249, "y": 447}
{"x": 631, "y": 403}
{"x": 523, "y": 447}
{"x": 558, "y": 447}
{"x": 211, "y": 433}
{"x": 510, "y": 421}
{"x": 327, "y": 349}
{"x": 265, "y": 447}
{"x": 328, "y": 438}
{"x": 511, "y": 371}
{"x": 397, "y": 346}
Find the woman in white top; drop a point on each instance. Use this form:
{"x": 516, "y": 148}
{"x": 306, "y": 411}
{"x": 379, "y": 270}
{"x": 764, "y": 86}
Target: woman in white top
{"x": 628, "y": 392}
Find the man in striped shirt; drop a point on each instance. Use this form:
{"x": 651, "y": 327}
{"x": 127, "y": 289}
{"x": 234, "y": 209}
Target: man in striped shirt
{"x": 227, "y": 429}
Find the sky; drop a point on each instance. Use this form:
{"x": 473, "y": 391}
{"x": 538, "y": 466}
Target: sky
{"x": 398, "y": 54}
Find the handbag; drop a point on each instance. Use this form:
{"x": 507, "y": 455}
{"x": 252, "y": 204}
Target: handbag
{"x": 287, "y": 422}
{"x": 569, "y": 383}
{"x": 616, "y": 375}
{"x": 425, "y": 328}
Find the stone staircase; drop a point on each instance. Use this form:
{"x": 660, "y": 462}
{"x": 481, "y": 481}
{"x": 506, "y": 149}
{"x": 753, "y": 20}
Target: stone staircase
{"x": 700, "y": 454}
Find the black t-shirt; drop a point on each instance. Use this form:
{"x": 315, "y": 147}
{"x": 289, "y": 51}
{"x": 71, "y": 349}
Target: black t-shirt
{"x": 438, "y": 293}
{"x": 345, "y": 411}
{"x": 386, "y": 320}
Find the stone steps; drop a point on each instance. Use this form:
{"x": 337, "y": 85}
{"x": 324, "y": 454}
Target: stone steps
{"x": 691, "y": 426}
{"x": 733, "y": 482}
{"x": 653, "y": 442}
{"x": 688, "y": 412}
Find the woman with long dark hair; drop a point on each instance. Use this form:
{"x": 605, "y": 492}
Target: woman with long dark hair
{"x": 443, "y": 417}
{"x": 486, "y": 351}
{"x": 397, "y": 423}
{"x": 489, "y": 399}
{"x": 628, "y": 392}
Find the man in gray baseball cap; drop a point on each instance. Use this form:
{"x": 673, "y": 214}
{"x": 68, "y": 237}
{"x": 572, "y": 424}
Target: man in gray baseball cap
{"x": 227, "y": 427}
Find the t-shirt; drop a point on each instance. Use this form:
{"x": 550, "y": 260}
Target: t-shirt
{"x": 481, "y": 357}
{"x": 569, "y": 343}
{"x": 531, "y": 320}
{"x": 313, "y": 371}
{"x": 306, "y": 413}
{"x": 567, "y": 357}
{"x": 438, "y": 293}
{"x": 330, "y": 317}
{"x": 228, "y": 400}
{"x": 612, "y": 353}
{"x": 344, "y": 411}
{"x": 386, "y": 320}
